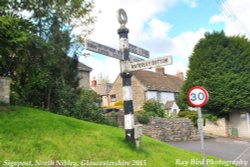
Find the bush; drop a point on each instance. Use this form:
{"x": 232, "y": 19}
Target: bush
{"x": 155, "y": 107}
{"x": 170, "y": 115}
{"x": 80, "y": 104}
{"x": 192, "y": 115}
{"x": 210, "y": 117}
{"x": 143, "y": 118}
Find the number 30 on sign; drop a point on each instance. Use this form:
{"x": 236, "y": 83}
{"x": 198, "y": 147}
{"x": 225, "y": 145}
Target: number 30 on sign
{"x": 197, "y": 96}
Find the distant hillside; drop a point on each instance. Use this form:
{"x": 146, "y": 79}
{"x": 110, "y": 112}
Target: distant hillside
{"x": 31, "y": 136}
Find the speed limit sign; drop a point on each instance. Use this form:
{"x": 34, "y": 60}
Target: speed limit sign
{"x": 197, "y": 96}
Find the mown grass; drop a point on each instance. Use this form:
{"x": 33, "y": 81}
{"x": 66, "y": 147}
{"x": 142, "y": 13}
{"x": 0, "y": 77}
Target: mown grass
{"x": 28, "y": 134}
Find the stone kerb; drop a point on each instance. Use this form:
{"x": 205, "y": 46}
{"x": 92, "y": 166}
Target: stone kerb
{"x": 5, "y": 89}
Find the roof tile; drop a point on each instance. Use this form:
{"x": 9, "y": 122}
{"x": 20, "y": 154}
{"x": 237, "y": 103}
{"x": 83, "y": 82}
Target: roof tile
{"x": 155, "y": 81}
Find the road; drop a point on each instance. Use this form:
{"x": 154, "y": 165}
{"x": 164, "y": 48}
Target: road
{"x": 228, "y": 149}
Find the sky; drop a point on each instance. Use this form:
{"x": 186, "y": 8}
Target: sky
{"x": 164, "y": 27}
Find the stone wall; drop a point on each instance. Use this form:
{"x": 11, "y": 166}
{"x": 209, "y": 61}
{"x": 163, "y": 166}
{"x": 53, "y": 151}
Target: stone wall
{"x": 179, "y": 129}
{"x": 5, "y": 89}
{"x": 220, "y": 127}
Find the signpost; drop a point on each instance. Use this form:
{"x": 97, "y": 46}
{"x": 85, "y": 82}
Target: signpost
{"x": 102, "y": 49}
{"x": 139, "y": 51}
{"x": 108, "y": 51}
{"x": 162, "y": 61}
{"x": 128, "y": 63}
{"x": 198, "y": 97}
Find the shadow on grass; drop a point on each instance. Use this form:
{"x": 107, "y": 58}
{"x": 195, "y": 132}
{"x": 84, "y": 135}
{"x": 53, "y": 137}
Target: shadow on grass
{"x": 5, "y": 107}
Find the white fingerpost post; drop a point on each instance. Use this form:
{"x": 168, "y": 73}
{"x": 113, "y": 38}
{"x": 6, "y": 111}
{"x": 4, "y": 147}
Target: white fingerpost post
{"x": 126, "y": 77}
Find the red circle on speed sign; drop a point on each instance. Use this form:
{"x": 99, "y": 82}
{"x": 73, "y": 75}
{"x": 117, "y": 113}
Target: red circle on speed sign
{"x": 197, "y": 96}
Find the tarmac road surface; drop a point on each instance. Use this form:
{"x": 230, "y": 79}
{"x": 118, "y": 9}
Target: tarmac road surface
{"x": 225, "y": 148}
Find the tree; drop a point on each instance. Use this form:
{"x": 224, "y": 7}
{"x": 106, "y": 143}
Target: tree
{"x": 44, "y": 62}
{"x": 102, "y": 79}
{"x": 14, "y": 37}
{"x": 47, "y": 15}
{"x": 221, "y": 64}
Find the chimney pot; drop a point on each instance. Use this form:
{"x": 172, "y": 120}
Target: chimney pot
{"x": 160, "y": 70}
{"x": 180, "y": 75}
{"x": 93, "y": 83}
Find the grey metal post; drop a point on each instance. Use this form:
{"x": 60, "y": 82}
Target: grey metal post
{"x": 200, "y": 126}
{"x": 126, "y": 77}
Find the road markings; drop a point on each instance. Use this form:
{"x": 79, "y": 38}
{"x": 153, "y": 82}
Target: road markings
{"x": 240, "y": 142}
{"x": 242, "y": 153}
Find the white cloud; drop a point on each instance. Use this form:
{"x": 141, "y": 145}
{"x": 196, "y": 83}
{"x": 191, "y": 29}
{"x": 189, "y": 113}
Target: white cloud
{"x": 139, "y": 12}
{"x": 184, "y": 43}
{"x": 158, "y": 28}
{"x": 191, "y": 3}
{"x": 146, "y": 31}
{"x": 234, "y": 15}
{"x": 109, "y": 67}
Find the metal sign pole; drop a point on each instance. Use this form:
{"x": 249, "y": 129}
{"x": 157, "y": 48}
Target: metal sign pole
{"x": 126, "y": 77}
{"x": 200, "y": 127}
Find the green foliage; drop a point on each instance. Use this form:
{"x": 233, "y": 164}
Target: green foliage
{"x": 14, "y": 37}
{"x": 80, "y": 104}
{"x": 35, "y": 55}
{"x": 34, "y": 52}
{"x": 143, "y": 118}
{"x": 192, "y": 115}
{"x": 154, "y": 106}
{"x": 221, "y": 64}
{"x": 52, "y": 17}
{"x": 171, "y": 115}
{"x": 210, "y": 117}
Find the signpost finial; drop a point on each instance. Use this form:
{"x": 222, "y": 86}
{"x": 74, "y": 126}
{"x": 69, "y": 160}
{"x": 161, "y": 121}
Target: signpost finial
{"x": 122, "y": 16}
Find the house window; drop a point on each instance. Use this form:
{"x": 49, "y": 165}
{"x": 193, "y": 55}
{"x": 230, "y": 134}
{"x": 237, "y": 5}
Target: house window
{"x": 176, "y": 95}
{"x": 159, "y": 96}
{"x": 113, "y": 98}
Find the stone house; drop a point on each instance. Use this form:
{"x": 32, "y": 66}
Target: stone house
{"x": 149, "y": 85}
{"x": 172, "y": 107}
{"x": 102, "y": 90}
{"x": 84, "y": 75}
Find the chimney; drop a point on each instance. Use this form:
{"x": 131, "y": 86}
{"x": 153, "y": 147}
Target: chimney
{"x": 93, "y": 83}
{"x": 160, "y": 70}
{"x": 180, "y": 75}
